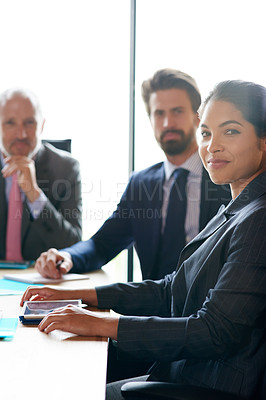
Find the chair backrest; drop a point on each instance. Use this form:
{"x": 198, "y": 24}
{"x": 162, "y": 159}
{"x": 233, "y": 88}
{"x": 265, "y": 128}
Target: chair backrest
{"x": 63, "y": 144}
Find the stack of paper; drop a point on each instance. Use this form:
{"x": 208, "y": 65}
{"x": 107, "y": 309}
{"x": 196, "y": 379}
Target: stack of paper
{"x": 35, "y": 277}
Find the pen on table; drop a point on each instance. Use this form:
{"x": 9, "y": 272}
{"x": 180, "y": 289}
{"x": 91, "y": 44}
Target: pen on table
{"x": 59, "y": 263}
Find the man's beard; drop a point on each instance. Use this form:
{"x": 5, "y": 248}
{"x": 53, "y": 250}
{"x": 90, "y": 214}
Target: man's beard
{"x": 178, "y": 146}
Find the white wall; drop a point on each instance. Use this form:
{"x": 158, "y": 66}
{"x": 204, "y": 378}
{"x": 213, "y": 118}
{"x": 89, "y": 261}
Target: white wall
{"x": 209, "y": 39}
{"x": 75, "y": 56}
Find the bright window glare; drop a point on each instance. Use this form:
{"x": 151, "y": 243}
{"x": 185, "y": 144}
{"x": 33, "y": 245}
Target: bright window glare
{"x": 75, "y": 56}
{"x": 210, "y": 40}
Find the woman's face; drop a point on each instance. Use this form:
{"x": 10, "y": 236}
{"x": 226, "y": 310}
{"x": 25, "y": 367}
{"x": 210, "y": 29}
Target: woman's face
{"x": 229, "y": 147}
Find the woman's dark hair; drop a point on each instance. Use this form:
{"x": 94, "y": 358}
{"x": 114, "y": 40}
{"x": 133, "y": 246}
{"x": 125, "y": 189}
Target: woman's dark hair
{"x": 248, "y": 97}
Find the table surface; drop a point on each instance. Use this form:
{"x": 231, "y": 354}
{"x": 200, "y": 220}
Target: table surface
{"x": 51, "y": 366}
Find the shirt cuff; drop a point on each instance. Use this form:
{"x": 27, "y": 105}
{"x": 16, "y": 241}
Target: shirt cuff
{"x": 37, "y": 206}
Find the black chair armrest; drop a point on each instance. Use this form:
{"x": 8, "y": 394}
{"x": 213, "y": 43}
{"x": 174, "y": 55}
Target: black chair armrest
{"x": 165, "y": 391}
{"x": 61, "y": 144}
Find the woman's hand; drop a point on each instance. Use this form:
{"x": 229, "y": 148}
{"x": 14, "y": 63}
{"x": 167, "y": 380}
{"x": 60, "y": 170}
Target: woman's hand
{"x": 39, "y": 293}
{"x": 81, "y": 322}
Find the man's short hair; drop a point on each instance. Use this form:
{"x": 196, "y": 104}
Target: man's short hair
{"x": 168, "y": 78}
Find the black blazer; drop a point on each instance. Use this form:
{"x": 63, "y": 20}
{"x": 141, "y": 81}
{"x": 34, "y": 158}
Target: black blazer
{"x": 59, "y": 224}
{"x": 137, "y": 221}
{"x": 205, "y": 323}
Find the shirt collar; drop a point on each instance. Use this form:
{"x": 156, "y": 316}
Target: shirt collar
{"x": 193, "y": 164}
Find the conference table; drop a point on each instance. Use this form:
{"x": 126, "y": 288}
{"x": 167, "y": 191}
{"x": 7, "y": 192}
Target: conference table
{"x": 54, "y": 366}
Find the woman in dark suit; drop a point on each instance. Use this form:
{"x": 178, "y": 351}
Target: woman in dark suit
{"x": 204, "y": 324}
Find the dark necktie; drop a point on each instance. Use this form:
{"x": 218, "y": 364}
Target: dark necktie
{"x": 173, "y": 237}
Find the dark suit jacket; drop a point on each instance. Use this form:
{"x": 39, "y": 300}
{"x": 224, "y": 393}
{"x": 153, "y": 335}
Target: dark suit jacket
{"x": 59, "y": 224}
{"x": 205, "y": 323}
{"x": 137, "y": 221}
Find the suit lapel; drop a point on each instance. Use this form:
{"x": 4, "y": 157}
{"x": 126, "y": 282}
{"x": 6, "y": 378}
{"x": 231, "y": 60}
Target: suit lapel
{"x": 211, "y": 197}
{"x": 215, "y": 223}
{"x": 40, "y": 167}
{"x": 156, "y": 191}
{"x": 3, "y": 216}
{"x": 254, "y": 190}
{"x": 25, "y": 223}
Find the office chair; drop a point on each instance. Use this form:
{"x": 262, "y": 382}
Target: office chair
{"x": 171, "y": 391}
{"x": 63, "y": 144}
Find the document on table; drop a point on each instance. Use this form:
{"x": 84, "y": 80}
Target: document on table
{"x": 35, "y": 278}
{"x": 8, "y": 287}
{"x": 59, "y": 335}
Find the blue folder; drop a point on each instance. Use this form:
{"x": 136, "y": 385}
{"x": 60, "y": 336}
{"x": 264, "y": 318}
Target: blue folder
{"x": 15, "y": 264}
{"x": 8, "y": 287}
{"x": 8, "y": 327}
